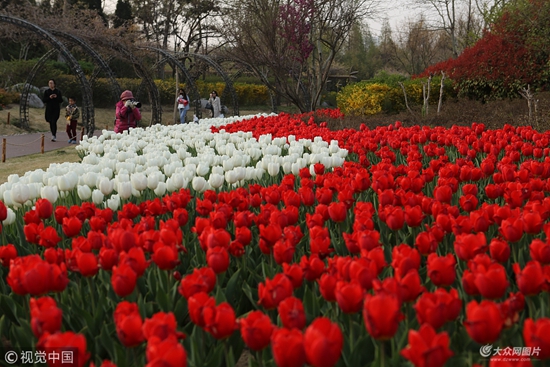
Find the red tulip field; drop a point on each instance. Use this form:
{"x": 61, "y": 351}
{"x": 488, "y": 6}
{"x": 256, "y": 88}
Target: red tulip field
{"x": 428, "y": 247}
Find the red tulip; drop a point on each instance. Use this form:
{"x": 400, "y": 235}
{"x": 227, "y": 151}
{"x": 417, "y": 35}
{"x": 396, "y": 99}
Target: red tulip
{"x": 220, "y": 320}
{"x": 539, "y": 251}
{"x": 256, "y": 329}
{"x": 511, "y": 308}
{"x": 295, "y": 273}
{"x": 337, "y": 212}
{"x": 349, "y": 296}
{"x": 274, "y": 291}
{"x": 60, "y": 342}
{"x": 123, "y": 280}
{"x": 128, "y": 324}
{"x": 167, "y": 353}
{"x": 426, "y": 348}
{"x": 438, "y": 307}
{"x": 218, "y": 259}
{"x": 71, "y": 226}
{"x": 44, "y": 208}
{"x": 499, "y": 250}
{"x": 530, "y": 280}
{"x": 467, "y": 246}
{"x": 483, "y": 321}
{"x": 288, "y": 348}
{"x": 382, "y": 315}
{"x": 323, "y": 341}
{"x": 413, "y": 215}
{"x": 292, "y": 314}
{"x": 201, "y": 280}
{"x": 443, "y": 194}
{"x": 327, "y": 287}
{"x": 537, "y": 337}
{"x": 441, "y": 269}
{"x": 46, "y": 317}
{"x": 512, "y": 229}
{"x": 196, "y": 304}
{"x": 164, "y": 256}
{"x": 491, "y": 281}
{"x": 162, "y": 325}
{"x": 7, "y": 254}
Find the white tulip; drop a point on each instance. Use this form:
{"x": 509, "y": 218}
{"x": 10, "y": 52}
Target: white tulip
{"x": 113, "y": 203}
{"x": 202, "y": 169}
{"x": 10, "y": 218}
{"x": 124, "y": 190}
{"x": 106, "y": 186}
{"x": 139, "y": 181}
{"x": 97, "y": 197}
{"x": 215, "y": 180}
{"x": 49, "y": 193}
{"x": 231, "y": 177}
{"x": 160, "y": 190}
{"x": 20, "y": 193}
{"x": 7, "y": 198}
{"x": 153, "y": 181}
{"x": 84, "y": 192}
{"x": 273, "y": 169}
{"x": 198, "y": 183}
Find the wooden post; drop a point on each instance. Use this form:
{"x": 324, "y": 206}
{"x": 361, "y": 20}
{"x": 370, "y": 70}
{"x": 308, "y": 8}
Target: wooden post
{"x": 8, "y": 118}
{"x": 82, "y": 134}
{"x": 42, "y": 145}
{"x": 4, "y": 150}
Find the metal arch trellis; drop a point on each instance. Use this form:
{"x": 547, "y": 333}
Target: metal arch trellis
{"x": 222, "y": 73}
{"x": 262, "y": 77}
{"x": 152, "y": 90}
{"x": 25, "y": 93}
{"x": 100, "y": 61}
{"x": 88, "y": 112}
{"x": 194, "y": 92}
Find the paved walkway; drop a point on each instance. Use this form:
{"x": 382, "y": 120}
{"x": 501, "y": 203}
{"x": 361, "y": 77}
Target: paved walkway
{"x": 25, "y": 144}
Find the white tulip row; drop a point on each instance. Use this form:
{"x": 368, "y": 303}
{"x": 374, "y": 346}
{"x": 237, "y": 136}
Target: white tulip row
{"x": 166, "y": 159}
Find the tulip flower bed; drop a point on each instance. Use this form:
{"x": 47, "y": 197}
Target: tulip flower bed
{"x": 184, "y": 245}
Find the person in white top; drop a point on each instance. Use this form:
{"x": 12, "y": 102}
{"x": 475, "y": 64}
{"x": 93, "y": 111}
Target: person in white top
{"x": 216, "y": 104}
{"x": 183, "y": 105}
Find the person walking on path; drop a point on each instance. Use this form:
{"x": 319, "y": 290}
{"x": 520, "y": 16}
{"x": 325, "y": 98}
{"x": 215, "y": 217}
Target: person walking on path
{"x": 183, "y": 105}
{"x": 127, "y": 112}
{"x": 52, "y": 99}
{"x": 72, "y": 113}
{"x": 216, "y": 104}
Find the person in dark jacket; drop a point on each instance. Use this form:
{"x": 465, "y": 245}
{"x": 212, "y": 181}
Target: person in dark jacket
{"x": 52, "y": 99}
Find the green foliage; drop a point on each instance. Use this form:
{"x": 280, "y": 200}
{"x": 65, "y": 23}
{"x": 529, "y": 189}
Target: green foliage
{"x": 8, "y": 97}
{"x": 375, "y": 96}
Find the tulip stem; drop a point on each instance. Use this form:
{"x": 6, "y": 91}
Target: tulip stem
{"x": 91, "y": 289}
{"x": 259, "y": 358}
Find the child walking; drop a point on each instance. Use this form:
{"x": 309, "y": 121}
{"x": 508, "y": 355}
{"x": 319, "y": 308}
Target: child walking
{"x": 72, "y": 113}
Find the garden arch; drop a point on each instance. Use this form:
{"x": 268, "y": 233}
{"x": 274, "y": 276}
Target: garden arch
{"x": 115, "y": 87}
{"x": 88, "y": 111}
{"x": 141, "y": 71}
{"x": 246, "y": 66}
{"x": 194, "y": 92}
{"x": 222, "y": 73}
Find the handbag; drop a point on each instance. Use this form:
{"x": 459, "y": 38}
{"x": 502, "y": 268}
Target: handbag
{"x": 208, "y": 106}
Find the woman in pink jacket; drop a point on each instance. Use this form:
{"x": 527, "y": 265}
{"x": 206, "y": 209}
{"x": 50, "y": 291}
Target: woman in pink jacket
{"x": 127, "y": 112}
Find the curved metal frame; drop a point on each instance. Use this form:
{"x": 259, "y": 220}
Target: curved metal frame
{"x": 169, "y": 56}
{"x": 246, "y": 66}
{"x": 228, "y": 82}
{"x": 25, "y": 93}
{"x": 88, "y": 111}
{"x": 100, "y": 61}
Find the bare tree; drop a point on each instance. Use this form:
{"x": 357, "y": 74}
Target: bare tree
{"x": 292, "y": 44}
{"x": 447, "y": 16}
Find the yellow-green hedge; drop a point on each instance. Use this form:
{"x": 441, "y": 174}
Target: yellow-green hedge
{"x": 368, "y": 98}
{"x": 247, "y": 94}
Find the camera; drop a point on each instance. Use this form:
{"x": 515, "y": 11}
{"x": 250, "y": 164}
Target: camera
{"x": 135, "y": 103}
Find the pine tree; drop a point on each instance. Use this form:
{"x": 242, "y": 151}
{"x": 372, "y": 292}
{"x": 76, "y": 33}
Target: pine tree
{"x": 123, "y": 13}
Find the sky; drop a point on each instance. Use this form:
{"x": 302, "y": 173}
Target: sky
{"x": 396, "y": 13}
